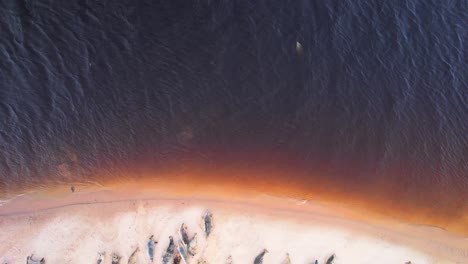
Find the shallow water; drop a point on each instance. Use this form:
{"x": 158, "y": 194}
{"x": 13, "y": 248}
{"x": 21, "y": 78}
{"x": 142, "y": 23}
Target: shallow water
{"x": 375, "y": 98}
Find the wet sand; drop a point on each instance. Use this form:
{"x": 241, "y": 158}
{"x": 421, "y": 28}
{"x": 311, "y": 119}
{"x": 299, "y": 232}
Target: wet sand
{"x": 73, "y": 227}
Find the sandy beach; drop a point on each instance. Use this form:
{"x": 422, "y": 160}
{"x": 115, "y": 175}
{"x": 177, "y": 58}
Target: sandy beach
{"x": 65, "y": 227}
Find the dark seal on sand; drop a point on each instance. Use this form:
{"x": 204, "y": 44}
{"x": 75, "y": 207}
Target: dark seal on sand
{"x": 259, "y": 258}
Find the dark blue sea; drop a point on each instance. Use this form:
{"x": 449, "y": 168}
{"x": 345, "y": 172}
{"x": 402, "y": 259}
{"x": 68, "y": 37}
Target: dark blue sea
{"x": 368, "y": 93}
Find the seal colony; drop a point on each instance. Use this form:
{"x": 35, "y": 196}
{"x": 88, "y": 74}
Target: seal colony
{"x": 187, "y": 248}
{"x": 120, "y": 227}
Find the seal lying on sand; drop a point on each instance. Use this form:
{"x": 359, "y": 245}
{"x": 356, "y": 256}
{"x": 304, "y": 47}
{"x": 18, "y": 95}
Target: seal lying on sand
{"x": 192, "y": 248}
{"x": 31, "y": 260}
{"x": 330, "y": 259}
{"x": 133, "y": 258}
{"x": 182, "y": 249}
{"x": 167, "y": 257}
{"x": 150, "y": 246}
{"x": 184, "y": 234}
{"x": 207, "y": 223}
{"x": 115, "y": 259}
{"x": 177, "y": 258}
{"x": 259, "y": 258}
{"x": 287, "y": 260}
{"x": 187, "y": 245}
{"x": 100, "y": 257}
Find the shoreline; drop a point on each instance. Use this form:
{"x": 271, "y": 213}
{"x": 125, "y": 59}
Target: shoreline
{"x": 432, "y": 242}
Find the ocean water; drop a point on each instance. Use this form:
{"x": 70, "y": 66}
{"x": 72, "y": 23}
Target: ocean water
{"x": 370, "y": 94}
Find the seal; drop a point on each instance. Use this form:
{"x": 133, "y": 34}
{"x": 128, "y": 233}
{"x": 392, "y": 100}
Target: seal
{"x": 177, "y": 258}
{"x": 31, "y": 260}
{"x": 207, "y": 223}
{"x": 169, "y": 254}
{"x": 133, "y": 258}
{"x": 184, "y": 234}
{"x": 115, "y": 259}
{"x": 259, "y": 258}
{"x": 330, "y": 259}
{"x": 182, "y": 249}
{"x": 100, "y": 257}
{"x": 192, "y": 247}
{"x": 150, "y": 247}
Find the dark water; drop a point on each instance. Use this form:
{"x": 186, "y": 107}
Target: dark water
{"x": 376, "y": 95}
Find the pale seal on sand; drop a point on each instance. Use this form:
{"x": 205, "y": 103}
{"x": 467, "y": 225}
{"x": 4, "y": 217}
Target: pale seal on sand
{"x": 133, "y": 258}
{"x": 192, "y": 247}
{"x": 182, "y": 250}
{"x": 287, "y": 260}
{"x": 100, "y": 257}
{"x": 169, "y": 254}
{"x": 150, "y": 247}
{"x": 177, "y": 258}
{"x": 259, "y": 258}
{"x": 184, "y": 234}
{"x": 115, "y": 259}
{"x": 31, "y": 260}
